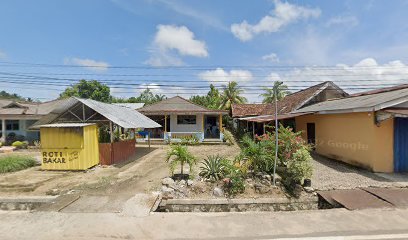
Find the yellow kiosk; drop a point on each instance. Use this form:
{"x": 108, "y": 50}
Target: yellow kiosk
{"x": 69, "y": 146}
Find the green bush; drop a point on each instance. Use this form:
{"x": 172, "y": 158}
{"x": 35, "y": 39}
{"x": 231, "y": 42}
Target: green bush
{"x": 12, "y": 163}
{"x": 214, "y": 168}
{"x": 228, "y": 137}
{"x": 234, "y": 181}
{"x": 19, "y": 144}
{"x": 300, "y": 167}
{"x": 259, "y": 154}
{"x": 189, "y": 140}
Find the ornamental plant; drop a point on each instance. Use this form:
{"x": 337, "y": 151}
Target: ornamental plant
{"x": 214, "y": 168}
{"x": 179, "y": 155}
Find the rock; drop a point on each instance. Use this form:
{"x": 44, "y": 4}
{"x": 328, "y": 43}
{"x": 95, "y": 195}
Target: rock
{"x": 267, "y": 177}
{"x": 167, "y": 192}
{"x": 260, "y": 188}
{"x": 218, "y": 192}
{"x": 182, "y": 182}
{"x": 53, "y": 192}
{"x": 308, "y": 189}
{"x": 168, "y": 181}
{"x": 190, "y": 182}
{"x": 278, "y": 178}
{"x": 266, "y": 182}
{"x": 259, "y": 174}
{"x": 199, "y": 187}
{"x": 249, "y": 180}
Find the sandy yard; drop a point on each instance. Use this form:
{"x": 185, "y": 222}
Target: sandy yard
{"x": 141, "y": 174}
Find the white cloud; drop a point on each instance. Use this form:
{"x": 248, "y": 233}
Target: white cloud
{"x": 364, "y": 75}
{"x": 221, "y": 76}
{"x": 181, "y": 39}
{"x": 349, "y": 21}
{"x": 273, "y": 57}
{"x": 171, "y": 41}
{"x": 283, "y": 15}
{"x": 97, "y": 66}
{"x": 3, "y": 55}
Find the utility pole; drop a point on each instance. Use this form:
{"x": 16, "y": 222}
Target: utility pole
{"x": 276, "y": 134}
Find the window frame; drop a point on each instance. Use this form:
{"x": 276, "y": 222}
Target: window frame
{"x": 186, "y": 119}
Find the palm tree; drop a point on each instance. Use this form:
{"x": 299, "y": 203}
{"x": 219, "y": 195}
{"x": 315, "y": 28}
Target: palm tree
{"x": 279, "y": 88}
{"x": 231, "y": 94}
{"x": 179, "y": 154}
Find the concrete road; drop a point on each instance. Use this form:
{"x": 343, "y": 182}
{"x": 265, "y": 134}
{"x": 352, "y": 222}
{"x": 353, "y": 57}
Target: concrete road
{"x": 320, "y": 224}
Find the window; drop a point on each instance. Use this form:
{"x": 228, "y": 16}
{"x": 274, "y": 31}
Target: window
{"x": 12, "y": 125}
{"x": 186, "y": 119}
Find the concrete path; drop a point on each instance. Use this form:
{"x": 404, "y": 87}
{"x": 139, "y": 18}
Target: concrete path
{"x": 266, "y": 225}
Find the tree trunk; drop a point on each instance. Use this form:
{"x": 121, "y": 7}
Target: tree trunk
{"x": 182, "y": 166}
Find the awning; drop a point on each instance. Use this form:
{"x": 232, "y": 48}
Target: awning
{"x": 269, "y": 118}
{"x": 403, "y": 112}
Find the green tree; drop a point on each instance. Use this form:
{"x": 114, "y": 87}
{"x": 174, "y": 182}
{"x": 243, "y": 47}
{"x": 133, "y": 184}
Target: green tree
{"x": 13, "y": 96}
{"x": 91, "y": 89}
{"x": 212, "y": 100}
{"x": 279, "y": 88}
{"x": 231, "y": 94}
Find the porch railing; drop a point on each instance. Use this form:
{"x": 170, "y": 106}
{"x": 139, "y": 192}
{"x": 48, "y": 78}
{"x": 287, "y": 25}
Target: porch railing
{"x": 177, "y": 136}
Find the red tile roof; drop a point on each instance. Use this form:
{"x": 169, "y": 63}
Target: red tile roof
{"x": 288, "y": 104}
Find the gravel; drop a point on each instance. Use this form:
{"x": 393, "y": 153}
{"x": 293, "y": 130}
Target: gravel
{"x": 331, "y": 174}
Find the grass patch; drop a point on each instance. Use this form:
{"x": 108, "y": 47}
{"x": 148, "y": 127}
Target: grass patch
{"x": 13, "y": 163}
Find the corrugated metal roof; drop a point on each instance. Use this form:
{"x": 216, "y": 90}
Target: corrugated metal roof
{"x": 130, "y": 105}
{"x": 65, "y": 125}
{"x": 365, "y": 103}
{"x": 122, "y": 116}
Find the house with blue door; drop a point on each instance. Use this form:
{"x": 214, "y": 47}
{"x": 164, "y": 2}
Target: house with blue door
{"x": 368, "y": 130}
{"x": 180, "y": 118}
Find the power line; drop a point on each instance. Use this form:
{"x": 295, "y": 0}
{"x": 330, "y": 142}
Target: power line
{"x": 197, "y": 67}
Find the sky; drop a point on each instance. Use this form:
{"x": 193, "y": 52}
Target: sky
{"x": 180, "y": 47}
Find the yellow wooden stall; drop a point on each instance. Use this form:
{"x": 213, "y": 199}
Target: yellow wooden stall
{"x": 69, "y": 146}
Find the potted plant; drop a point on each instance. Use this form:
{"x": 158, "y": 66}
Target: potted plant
{"x": 179, "y": 155}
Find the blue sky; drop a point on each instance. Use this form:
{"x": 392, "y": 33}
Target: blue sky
{"x": 192, "y": 43}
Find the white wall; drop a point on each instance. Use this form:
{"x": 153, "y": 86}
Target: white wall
{"x": 174, "y": 127}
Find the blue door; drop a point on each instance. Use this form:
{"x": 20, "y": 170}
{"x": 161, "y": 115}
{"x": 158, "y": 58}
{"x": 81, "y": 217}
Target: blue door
{"x": 401, "y": 145}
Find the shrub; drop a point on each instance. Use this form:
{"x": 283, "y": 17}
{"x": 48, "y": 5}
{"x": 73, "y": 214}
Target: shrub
{"x": 20, "y": 145}
{"x": 234, "y": 181}
{"x": 214, "y": 168}
{"x": 259, "y": 154}
{"x": 228, "y": 137}
{"x": 189, "y": 140}
{"x": 179, "y": 154}
{"x": 300, "y": 167}
{"x": 13, "y": 163}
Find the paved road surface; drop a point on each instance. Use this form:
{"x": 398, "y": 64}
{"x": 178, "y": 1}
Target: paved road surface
{"x": 391, "y": 223}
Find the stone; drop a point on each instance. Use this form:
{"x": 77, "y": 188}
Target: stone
{"x": 167, "y": 192}
{"x": 266, "y": 182}
{"x": 218, "y": 192}
{"x": 190, "y": 182}
{"x": 259, "y": 174}
{"x": 53, "y": 192}
{"x": 308, "y": 189}
{"x": 260, "y": 188}
{"x": 199, "y": 187}
{"x": 168, "y": 181}
{"x": 267, "y": 177}
{"x": 182, "y": 182}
